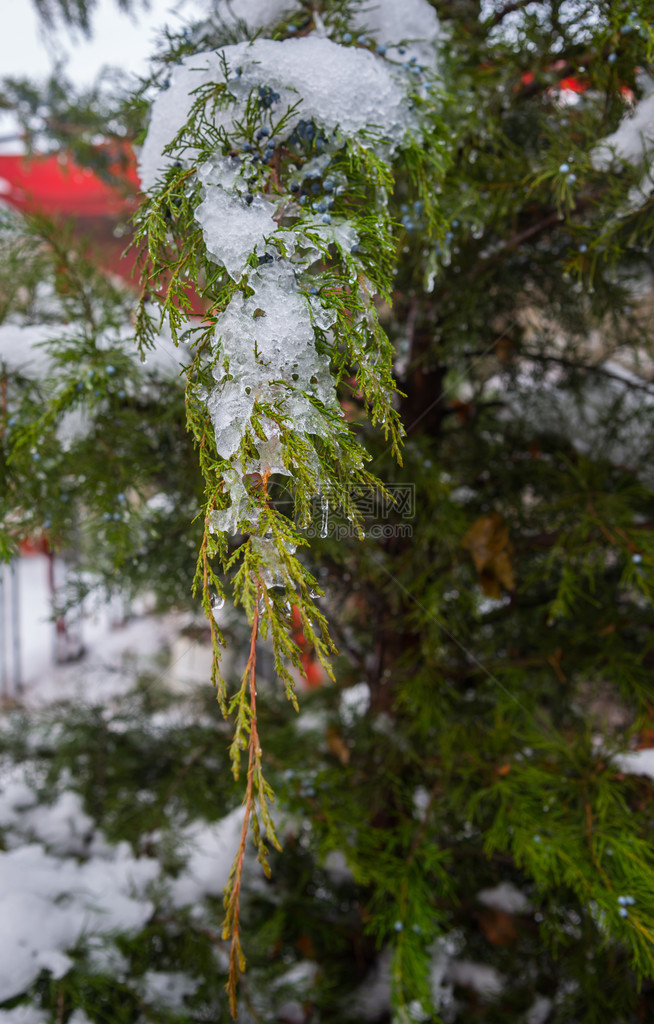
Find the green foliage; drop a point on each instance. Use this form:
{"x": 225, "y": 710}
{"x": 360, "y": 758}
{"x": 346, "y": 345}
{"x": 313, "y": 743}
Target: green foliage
{"x": 76, "y": 13}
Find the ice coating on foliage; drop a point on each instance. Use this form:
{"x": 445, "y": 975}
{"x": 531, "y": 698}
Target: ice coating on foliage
{"x": 271, "y": 572}
{"x": 342, "y": 87}
{"x": 233, "y": 230}
{"x": 413, "y": 22}
{"x": 275, "y": 320}
{"x": 227, "y": 520}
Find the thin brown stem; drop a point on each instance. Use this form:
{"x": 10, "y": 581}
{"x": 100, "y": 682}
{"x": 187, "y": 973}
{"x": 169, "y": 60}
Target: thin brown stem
{"x": 232, "y": 920}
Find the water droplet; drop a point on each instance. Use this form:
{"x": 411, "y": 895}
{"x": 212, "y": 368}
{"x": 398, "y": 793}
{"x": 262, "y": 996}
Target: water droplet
{"x": 217, "y": 604}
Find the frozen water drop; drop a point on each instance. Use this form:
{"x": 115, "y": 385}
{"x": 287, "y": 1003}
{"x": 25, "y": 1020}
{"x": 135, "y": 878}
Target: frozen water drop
{"x": 324, "y": 525}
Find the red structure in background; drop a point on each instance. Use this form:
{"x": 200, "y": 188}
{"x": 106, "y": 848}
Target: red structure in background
{"x": 55, "y": 185}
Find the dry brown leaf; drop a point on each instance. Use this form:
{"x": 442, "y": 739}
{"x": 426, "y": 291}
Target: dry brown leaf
{"x": 336, "y": 746}
{"x": 489, "y": 544}
{"x": 505, "y": 349}
{"x": 498, "y": 926}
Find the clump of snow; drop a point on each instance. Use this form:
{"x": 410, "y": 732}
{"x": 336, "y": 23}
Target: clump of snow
{"x": 372, "y": 1000}
{"x": 540, "y": 401}
{"x": 64, "y": 827}
{"x": 21, "y": 347}
{"x": 241, "y": 507}
{"x": 637, "y": 762}
{"x": 337, "y": 867}
{"x": 168, "y": 989}
{"x": 354, "y": 702}
{"x": 504, "y": 896}
{"x": 271, "y": 570}
{"x": 24, "y": 348}
{"x": 539, "y": 1011}
{"x": 413, "y": 23}
{"x": 322, "y": 75}
{"x": 265, "y": 340}
{"x": 481, "y": 978}
{"x": 300, "y": 976}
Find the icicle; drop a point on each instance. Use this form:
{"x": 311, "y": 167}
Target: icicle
{"x": 324, "y": 526}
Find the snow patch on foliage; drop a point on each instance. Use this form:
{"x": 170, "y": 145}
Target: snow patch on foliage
{"x": 481, "y": 978}
{"x": 354, "y": 702}
{"x": 168, "y": 989}
{"x": 632, "y": 142}
{"x": 212, "y": 850}
{"x": 64, "y": 827}
{"x": 581, "y": 418}
{"x": 637, "y": 762}
{"x": 506, "y": 897}
{"x": 539, "y": 1010}
{"x": 26, "y": 1015}
{"x": 633, "y": 139}
{"x": 313, "y": 94}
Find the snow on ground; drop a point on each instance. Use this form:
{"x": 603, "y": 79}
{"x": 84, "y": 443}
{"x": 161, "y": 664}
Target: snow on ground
{"x": 62, "y": 882}
{"x": 51, "y": 899}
